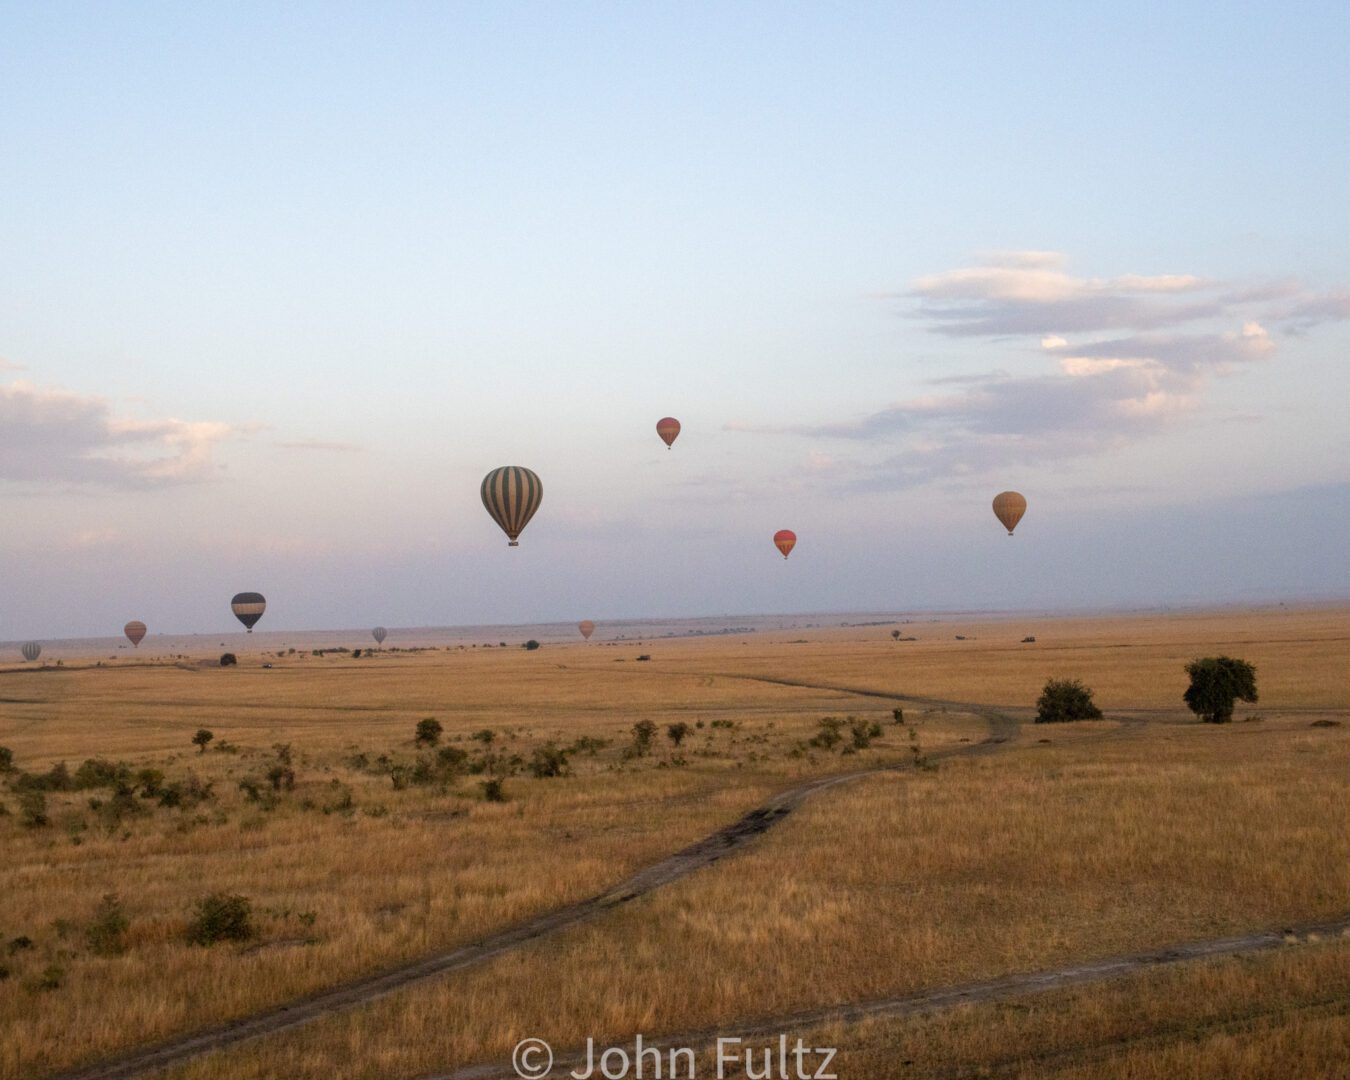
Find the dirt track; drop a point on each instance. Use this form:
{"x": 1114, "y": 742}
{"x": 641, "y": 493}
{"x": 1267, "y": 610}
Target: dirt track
{"x": 963, "y": 994}
{"x": 362, "y": 991}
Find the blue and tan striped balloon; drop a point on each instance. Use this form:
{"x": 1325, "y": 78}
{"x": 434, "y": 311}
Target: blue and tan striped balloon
{"x": 31, "y": 651}
{"x": 512, "y": 494}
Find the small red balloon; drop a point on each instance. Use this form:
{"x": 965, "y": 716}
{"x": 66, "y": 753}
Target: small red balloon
{"x": 668, "y": 428}
{"x": 784, "y": 540}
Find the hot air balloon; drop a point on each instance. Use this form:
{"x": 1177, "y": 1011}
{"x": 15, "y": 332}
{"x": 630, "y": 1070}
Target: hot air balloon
{"x": 587, "y": 628}
{"x": 248, "y": 608}
{"x": 1009, "y": 507}
{"x": 134, "y": 630}
{"x": 512, "y": 495}
{"x": 669, "y": 429}
{"x": 784, "y": 540}
{"x": 31, "y": 651}
{"x": 379, "y": 634}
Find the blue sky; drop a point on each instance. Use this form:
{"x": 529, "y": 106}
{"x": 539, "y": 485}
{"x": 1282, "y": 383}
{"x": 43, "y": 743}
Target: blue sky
{"x": 278, "y": 287}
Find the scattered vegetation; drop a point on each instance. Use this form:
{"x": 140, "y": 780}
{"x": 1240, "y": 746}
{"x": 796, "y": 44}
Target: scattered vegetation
{"x": 1064, "y": 700}
{"x": 1217, "y": 684}
{"x": 106, "y": 934}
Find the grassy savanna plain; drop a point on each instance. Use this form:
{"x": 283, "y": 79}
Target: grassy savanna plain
{"x": 1125, "y": 834}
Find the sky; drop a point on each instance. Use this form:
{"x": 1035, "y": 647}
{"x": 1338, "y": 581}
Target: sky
{"x": 278, "y": 285}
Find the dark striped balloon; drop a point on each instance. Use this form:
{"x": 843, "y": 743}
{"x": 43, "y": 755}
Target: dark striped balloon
{"x": 135, "y": 631}
{"x": 31, "y": 651}
{"x": 379, "y": 634}
{"x": 248, "y": 608}
{"x": 512, "y": 495}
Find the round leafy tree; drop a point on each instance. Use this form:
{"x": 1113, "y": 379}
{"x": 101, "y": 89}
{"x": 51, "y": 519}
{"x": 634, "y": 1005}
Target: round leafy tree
{"x": 1063, "y": 700}
{"x": 1217, "y": 684}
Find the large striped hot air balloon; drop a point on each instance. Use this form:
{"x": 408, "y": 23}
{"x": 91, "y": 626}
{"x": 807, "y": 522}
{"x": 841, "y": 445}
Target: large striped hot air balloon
{"x": 31, "y": 650}
{"x": 785, "y": 540}
{"x": 587, "y": 628}
{"x": 1009, "y": 506}
{"x": 248, "y": 608}
{"x": 379, "y": 634}
{"x": 135, "y": 631}
{"x": 669, "y": 429}
{"x": 512, "y": 494}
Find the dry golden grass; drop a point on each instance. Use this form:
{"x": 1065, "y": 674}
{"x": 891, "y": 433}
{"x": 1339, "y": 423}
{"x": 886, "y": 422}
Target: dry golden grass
{"x": 1038, "y": 857}
{"x": 343, "y": 889}
{"x": 1105, "y": 840}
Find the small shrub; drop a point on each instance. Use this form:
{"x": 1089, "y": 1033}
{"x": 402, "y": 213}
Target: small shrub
{"x": 228, "y": 659}
{"x": 676, "y": 733}
{"x": 106, "y": 935}
{"x": 863, "y": 732}
{"x": 644, "y": 656}
{"x": 53, "y": 975}
{"x": 33, "y": 809}
{"x": 451, "y": 760}
{"x": 548, "y": 761}
{"x": 221, "y": 917}
{"x": 830, "y": 734}
{"x": 898, "y": 715}
{"x": 428, "y": 732}
{"x": 1063, "y": 700}
{"x": 485, "y": 736}
{"x": 587, "y": 744}
{"x": 895, "y": 634}
{"x": 1217, "y": 684}
{"x": 530, "y": 645}
{"x": 1325, "y": 723}
{"x": 493, "y": 790}
{"x": 200, "y": 740}
{"x": 643, "y": 731}
{"x": 6, "y": 759}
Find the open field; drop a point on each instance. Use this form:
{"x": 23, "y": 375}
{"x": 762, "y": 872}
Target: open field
{"x": 1129, "y": 833}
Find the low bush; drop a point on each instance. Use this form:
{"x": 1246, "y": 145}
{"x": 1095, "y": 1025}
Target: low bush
{"x": 1064, "y": 700}
{"x": 428, "y": 732}
{"x": 221, "y": 917}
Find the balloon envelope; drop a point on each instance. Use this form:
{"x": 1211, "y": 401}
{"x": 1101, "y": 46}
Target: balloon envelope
{"x": 135, "y": 631}
{"x": 785, "y": 540}
{"x": 1009, "y": 506}
{"x": 31, "y": 650}
{"x": 668, "y": 428}
{"x": 587, "y": 628}
{"x": 511, "y": 495}
{"x": 379, "y": 634}
{"x": 248, "y": 608}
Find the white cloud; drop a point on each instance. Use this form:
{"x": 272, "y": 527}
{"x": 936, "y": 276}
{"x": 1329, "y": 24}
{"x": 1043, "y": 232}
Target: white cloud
{"x": 56, "y": 436}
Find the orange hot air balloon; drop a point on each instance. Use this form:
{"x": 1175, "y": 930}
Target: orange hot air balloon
{"x": 135, "y": 631}
{"x": 668, "y": 428}
{"x": 587, "y": 628}
{"x": 1009, "y": 507}
{"x": 785, "y": 540}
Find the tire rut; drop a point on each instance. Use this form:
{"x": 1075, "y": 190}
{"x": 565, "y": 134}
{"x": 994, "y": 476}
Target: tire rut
{"x": 358, "y": 992}
{"x": 948, "y": 997}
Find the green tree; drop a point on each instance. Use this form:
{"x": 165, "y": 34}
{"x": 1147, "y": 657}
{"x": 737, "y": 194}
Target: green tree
{"x": 201, "y": 739}
{"x": 428, "y": 732}
{"x": 676, "y": 732}
{"x": 1217, "y": 684}
{"x": 1063, "y": 700}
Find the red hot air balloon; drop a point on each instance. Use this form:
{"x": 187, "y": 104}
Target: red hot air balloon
{"x": 135, "y": 631}
{"x": 669, "y": 429}
{"x": 785, "y": 540}
{"x": 587, "y": 628}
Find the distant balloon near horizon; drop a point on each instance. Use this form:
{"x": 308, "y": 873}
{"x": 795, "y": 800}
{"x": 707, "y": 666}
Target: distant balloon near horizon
{"x": 31, "y": 650}
{"x": 135, "y": 632}
{"x": 248, "y": 608}
{"x": 379, "y": 634}
{"x": 1009, "y": 506}
{"x": 511, "y": 494}
{"x": 587, "y": 628}
{"x": 669, "y": 430}
{"x": 785, "y": 540}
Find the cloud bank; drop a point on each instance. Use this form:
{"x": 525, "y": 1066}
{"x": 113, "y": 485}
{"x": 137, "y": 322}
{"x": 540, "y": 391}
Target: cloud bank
{"x": 55, "y": 436}
{"x": 1124, "y": 358}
